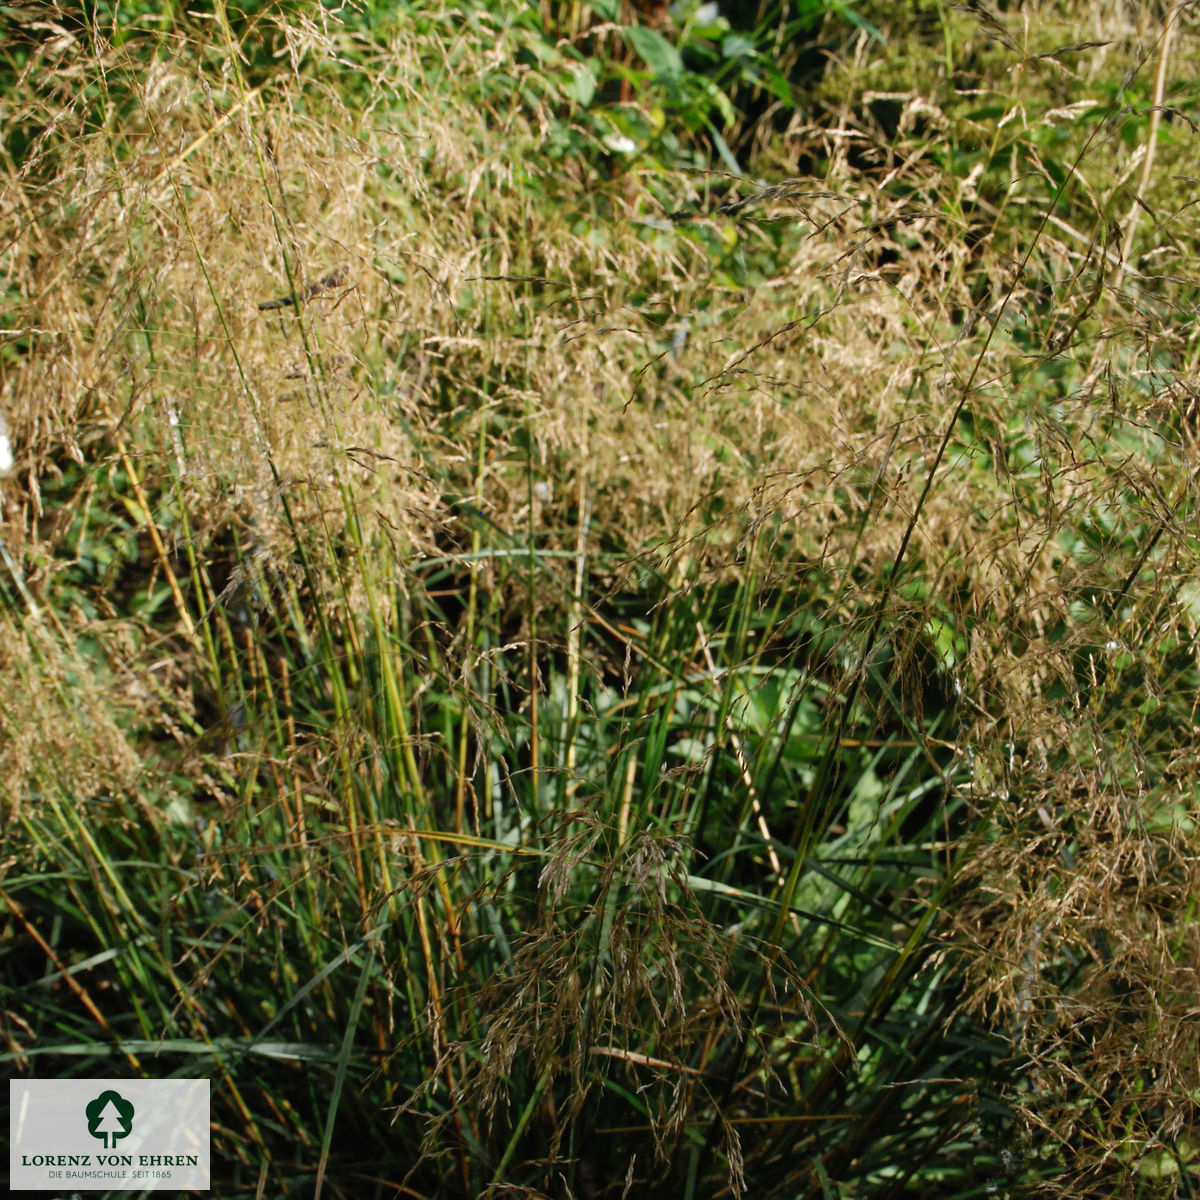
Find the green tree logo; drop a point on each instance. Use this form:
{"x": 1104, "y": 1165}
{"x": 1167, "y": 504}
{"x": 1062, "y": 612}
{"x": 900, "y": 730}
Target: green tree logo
{"x": 109, "y": 1117}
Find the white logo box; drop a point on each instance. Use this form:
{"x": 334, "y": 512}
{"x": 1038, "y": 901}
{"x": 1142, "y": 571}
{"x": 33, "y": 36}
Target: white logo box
{"x": 80, "y": 1135}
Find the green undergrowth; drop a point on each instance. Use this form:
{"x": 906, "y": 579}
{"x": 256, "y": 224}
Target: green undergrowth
{"x": 594, "y": 607}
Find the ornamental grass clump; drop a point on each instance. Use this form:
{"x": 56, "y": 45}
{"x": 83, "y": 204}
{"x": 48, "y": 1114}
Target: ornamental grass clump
{"x": 547, "y": 667}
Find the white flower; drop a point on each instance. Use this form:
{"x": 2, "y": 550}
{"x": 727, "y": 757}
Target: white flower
{"x": 706, "y": 14}
{"x": 618, "y": 143}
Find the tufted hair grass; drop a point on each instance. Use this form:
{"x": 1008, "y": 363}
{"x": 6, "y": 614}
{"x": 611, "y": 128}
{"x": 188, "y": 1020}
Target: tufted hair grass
{"x": 547, "y": 672}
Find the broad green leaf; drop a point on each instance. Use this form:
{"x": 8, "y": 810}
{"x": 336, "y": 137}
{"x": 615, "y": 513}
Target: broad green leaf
{"x": 656, "y": 52}
{"x": 736, "y": 45}
{"x": 580, "y": 85}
